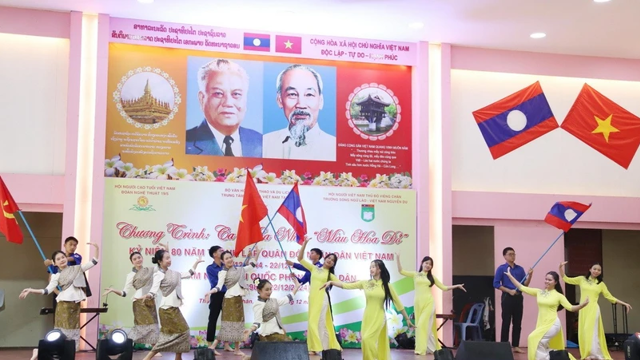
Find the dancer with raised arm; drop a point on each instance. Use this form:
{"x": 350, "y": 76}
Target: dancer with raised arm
{"x": 232, "y": 277}
{"x": 321, "y": 334}
{"x": 215, "y": 301}
{"x": 593, "y": 344}
{"x": 145, "y": 316}
{"x": 266, "y": 312}
{"x": 174, "y": 330}
{"x": 424, "y": 306}
{"x": 71, "y": 280}
{"x": 379, "y": 294}
{"x": 548, "y": 334}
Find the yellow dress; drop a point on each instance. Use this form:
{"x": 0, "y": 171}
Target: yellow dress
{"x": 425, "y": 311}
{"x": 588, "y": 315}
{"x": 375, "y": 342}
{"x": 321, "y": 334}
{"x": 548, "y": 302}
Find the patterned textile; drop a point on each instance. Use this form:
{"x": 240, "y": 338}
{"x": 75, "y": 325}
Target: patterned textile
{"x": 67, "y": 318}
{"x": 174, "y": 332}
{"x": 145, "y": 319}
{"x": 142, "y": 277}
{"x": 232, "y": 328}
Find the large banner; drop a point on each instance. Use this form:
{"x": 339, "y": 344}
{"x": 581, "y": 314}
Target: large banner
{"x": 187, "y": 114}
{"x": 358, "y": 225}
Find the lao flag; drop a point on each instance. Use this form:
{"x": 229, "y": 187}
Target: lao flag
{"x": 257, "y": 42}
{"x": 515, "y": 120}
{"x": 291, "y": 210}
{"x": 564, "y": 214}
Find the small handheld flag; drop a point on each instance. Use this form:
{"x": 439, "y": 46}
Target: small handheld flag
{"x": 291, "y": 210}
{"x": 564, "y": 214}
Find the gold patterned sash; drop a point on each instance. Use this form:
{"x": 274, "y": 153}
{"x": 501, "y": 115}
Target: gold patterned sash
{"x": 142, "y": 277}
{"x": 68, "y": 276}
{"x": 170, "y": 282}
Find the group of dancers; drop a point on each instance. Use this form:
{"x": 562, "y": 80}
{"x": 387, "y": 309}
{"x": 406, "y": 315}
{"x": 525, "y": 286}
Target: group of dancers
{"x": 228, "y": 288}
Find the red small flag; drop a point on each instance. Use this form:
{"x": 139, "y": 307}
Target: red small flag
{"x": 253, "y": 210}
{"x": 604, "y": 125}
{"x": 8, "y": 223}
{"x": 289, "y": 44}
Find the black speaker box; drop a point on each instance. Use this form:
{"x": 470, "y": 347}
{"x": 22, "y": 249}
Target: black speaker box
{"x": 559, "y": 355}
{"x": 285, "y": 350}
{"x": 483, "y": 350}
{"x": 443, "y": 354}
{"x": 204, "y": 354}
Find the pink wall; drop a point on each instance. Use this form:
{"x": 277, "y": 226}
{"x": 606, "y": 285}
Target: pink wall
{"x": 34, "y": 22}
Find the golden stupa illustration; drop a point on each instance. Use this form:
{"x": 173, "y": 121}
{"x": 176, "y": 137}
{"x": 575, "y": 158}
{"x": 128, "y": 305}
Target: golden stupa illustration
{"x": 146, "y": 109}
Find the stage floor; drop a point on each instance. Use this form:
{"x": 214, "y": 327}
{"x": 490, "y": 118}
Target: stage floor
{"x": 348, "y": 355}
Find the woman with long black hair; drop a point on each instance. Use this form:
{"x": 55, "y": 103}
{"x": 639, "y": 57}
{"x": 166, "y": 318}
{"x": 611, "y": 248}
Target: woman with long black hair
{"x": 548, "y": 332}
{"x": 424, "y": 306}
{"x": 593, "y": 344}
{"x": 321, "y": 334}
{"x": 379, "y": 294}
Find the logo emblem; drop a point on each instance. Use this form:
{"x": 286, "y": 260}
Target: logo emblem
{"x": 142, "y": 205}
{"x": 368, "y": 212}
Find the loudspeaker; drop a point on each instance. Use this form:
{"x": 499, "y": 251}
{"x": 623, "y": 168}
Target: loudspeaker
{"x": 204, "y": 354}
{"x": 331, "y": 354}
{"x": 559, "y": 355}
{"x": 281, "y": 350}
{"x": 631, "y": 347}
{"x": 482, "y": 350}
{"x": 443, "y": 354}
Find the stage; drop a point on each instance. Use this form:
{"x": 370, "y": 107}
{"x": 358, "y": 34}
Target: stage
{"x": 25, "y": 354}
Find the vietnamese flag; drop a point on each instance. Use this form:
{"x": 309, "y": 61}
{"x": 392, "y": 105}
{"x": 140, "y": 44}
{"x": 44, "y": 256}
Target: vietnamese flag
{"x": 253, "y": 210}
{"x": 8, "y": 223}
{"x": 604, "y": 125}
{"x": 288, "y": 44}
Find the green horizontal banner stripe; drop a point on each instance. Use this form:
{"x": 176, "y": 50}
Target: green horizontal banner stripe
{"x": 401, "y": 287}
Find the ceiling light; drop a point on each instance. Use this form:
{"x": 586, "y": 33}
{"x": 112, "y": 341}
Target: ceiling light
{"x": 145, "y": 1}
{"x": 538, "y": 35}
{"x": 601, "y": 1}
{"x": 416, "y": 25}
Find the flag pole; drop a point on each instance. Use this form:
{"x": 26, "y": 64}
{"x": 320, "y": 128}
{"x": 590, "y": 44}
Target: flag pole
{"x": 34, "y": 239}
{"x": 545, "y": 253}
{"x": 276, "y": 236}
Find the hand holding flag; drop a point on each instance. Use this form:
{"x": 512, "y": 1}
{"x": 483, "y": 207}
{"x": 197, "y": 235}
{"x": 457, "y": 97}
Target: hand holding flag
{"x": 252, "y": 212}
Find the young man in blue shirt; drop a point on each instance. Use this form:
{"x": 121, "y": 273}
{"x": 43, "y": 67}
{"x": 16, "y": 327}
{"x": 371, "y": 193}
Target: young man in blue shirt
{"x": 314, "y": 255}
{"x": 215, "y": 302}
{"x": 512, "y": 300}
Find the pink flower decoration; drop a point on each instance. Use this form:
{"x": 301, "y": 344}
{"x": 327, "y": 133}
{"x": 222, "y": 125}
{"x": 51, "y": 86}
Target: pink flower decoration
{"x": 307, "y": 182}
{"x": 363, "y": 184}
{"x": 308, "y": 175}
{"x": 193, "y": 341}
{"x": 344, "y": 332}
{"x": 220, "y": 178}
{"x": 364, "y": 177}
{"x": 221, "y": 171}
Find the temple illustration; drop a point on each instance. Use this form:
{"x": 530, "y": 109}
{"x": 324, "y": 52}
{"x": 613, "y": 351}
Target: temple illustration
{"x": 372, "y": 109}
{"x": 146, "y": 109}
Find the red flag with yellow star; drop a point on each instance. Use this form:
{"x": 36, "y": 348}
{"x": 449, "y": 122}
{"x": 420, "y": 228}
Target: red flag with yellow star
{"x": 8, "y": 223}
{"x": 253, "y": 210}
{"x": 604, "y": 125}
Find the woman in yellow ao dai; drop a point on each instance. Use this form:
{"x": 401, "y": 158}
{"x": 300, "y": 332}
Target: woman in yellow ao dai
{"x": 424, "y": 306}
{"x": 548, "y": 332}
{"x": 593, "y": 345}
{"x": 378, "y": 294}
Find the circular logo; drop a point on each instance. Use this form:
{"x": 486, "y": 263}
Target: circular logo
{"x": 373, "y": 111}
{"x": 143, "y": 201}
{"x": 147, "y": 98}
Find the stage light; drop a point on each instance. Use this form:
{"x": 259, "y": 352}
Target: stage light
{"x": 56, "y": 346}
{"x": 538, "y": 35}
{"x": 117, "y": 343}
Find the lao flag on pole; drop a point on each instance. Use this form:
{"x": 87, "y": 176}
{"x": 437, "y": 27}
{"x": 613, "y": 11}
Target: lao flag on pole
{"x": 564, "y": 214}
{"x": 291, "y": 210}
{"x": 515, "y": 120}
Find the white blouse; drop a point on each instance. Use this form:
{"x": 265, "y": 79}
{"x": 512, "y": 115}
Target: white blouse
{"x": 171, "y": 300}
{"x": 271, "y": 326}
{"x": 140, "y": 293}
{"x": 236, "y": 290}
{"x": 72, "y": 293}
